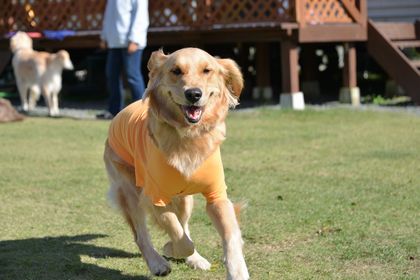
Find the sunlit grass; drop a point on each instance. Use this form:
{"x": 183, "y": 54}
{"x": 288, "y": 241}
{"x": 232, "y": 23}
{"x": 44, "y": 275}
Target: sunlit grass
{"x": 332, "y": 194}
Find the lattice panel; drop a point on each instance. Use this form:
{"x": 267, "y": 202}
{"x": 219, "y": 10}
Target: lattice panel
{"x": 246, "y": 11}
{"x": 181, "y": 13}
{"x": 204, "y": 13}
{"x": 39, "y": 15}
{"x": 325, "y": 11}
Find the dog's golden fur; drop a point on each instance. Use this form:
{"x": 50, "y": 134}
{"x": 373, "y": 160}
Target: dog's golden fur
{"x": 37, "y": 72}
{"x": 187, "y": 132}
{"x": 186, "y": 145}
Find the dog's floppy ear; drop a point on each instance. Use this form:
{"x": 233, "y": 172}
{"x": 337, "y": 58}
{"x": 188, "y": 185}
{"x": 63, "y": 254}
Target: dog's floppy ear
{"x": 64, "y": 58}
{"x": 155, "y": 61}
{"x": 233, "y": 79}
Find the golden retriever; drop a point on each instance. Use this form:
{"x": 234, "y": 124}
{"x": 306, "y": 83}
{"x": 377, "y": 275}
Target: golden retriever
{"x": 37, "y": 72}
{"x": 163, "y": 149}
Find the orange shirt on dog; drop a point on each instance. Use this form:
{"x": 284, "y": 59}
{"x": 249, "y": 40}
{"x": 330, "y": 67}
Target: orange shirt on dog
{"x": 129, "y": 138}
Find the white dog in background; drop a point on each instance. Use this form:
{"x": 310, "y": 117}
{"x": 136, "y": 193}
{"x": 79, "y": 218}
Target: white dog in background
{"x": 37, "y": 72}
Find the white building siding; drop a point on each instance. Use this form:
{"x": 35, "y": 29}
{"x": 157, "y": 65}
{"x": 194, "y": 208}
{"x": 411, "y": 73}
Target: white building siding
{"x": 394, "y": 10}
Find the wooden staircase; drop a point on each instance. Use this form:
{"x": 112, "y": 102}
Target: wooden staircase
{"x": 387, "y": 44}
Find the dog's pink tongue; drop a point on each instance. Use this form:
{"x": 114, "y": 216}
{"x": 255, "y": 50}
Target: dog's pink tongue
{"x": 194, "y": 112}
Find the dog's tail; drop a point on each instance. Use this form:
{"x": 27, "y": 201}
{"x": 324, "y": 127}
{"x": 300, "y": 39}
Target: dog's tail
{"x": 239, "y": 207}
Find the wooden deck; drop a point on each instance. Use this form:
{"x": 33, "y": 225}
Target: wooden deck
{"x": 199, "y": 22}
{"x": 174, "y": 22}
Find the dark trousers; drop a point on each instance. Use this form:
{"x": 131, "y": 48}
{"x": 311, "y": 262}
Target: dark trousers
{"x": 117, "y": 60}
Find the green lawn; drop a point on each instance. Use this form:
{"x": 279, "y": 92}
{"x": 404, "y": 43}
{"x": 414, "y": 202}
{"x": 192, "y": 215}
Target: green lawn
{"x": 332, "y": 194}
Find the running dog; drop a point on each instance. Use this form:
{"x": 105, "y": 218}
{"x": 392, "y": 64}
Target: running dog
{"x": 163, "y": 149}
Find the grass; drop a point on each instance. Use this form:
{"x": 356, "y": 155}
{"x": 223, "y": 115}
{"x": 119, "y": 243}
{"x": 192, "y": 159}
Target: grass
{"x": 332, "y": 194}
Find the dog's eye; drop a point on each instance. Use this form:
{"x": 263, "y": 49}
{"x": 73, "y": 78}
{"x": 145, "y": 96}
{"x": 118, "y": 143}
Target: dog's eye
{"x": 206, "y": 70}
{"x": 176, "y": 71}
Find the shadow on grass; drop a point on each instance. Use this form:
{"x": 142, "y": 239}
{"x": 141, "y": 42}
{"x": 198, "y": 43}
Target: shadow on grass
{"x": 58, "y": 258}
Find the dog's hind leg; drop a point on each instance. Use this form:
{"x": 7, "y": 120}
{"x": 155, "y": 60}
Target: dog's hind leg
{"x": 54, "y": 103}
{"x": 23, "y": 93}
{"x": 34, "y": 94}
{"x": 46, "y": 93}
{"x": 126, "y": 196}
{"x": 184, "y": 207}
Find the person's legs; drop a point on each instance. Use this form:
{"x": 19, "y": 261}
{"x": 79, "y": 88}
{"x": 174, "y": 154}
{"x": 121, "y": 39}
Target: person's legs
{"x": 132, "y": 63}
{"x": 113, "y": 74}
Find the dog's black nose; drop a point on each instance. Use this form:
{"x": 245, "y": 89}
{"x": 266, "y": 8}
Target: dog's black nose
{"x": 193, "y": 94}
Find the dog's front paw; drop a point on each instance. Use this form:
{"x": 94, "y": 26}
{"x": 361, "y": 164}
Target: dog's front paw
{"x": 196, "y": 261}
{"x": 180, "y": 250}
{"x": 168, "y": 250}
{"x": 239, "y": 275}
{"x": 237, "y": 269}
{"x": 159, "y": 266}
{"x": 54, "y": 114}
{"x": 25, "y": 107}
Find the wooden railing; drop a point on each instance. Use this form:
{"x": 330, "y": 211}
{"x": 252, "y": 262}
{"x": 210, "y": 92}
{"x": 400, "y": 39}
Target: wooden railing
{"x": 311, "y": 12}
{"x": 85, "y": 15}
{"x": 42, "y": 15}
{"x": 206, "y": 14}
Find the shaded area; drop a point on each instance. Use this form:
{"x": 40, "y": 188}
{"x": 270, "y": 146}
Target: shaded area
{"x": 58, "y": 258}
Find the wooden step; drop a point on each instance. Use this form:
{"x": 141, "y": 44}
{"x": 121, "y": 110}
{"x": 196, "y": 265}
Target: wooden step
{"x": 407, "y": 44}
{"x": 403, "y": 70}
{"x": 397, "y": 30}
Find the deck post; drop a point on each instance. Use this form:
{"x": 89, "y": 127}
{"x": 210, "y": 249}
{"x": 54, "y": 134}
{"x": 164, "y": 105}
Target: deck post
{"x": 263, "y": 90}
{"x": 291, "y": 97}
{"x": 350, "y": 93}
